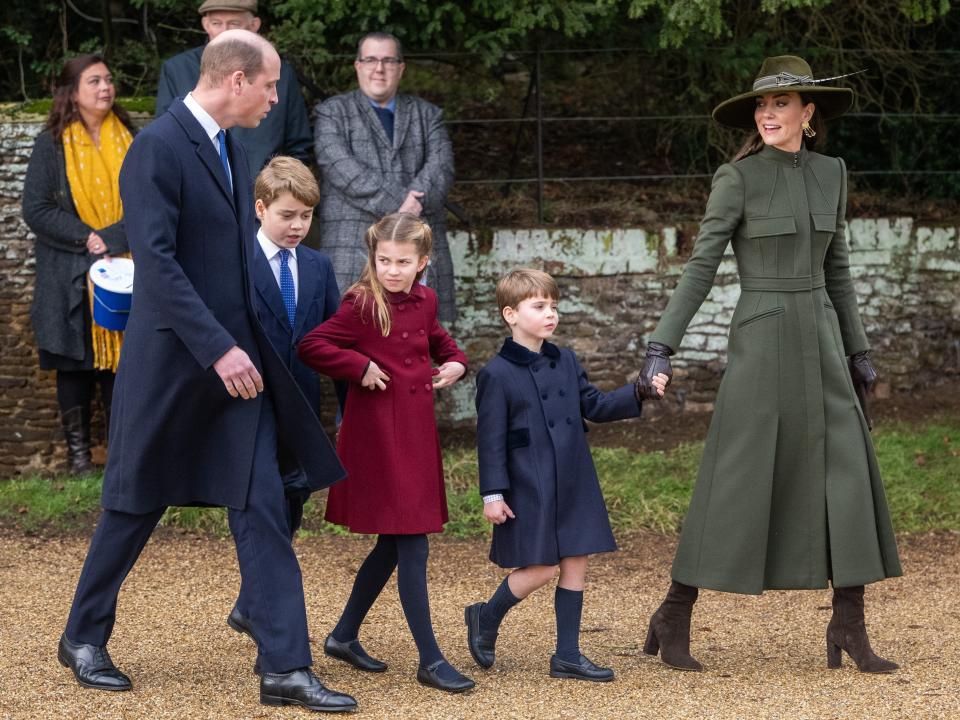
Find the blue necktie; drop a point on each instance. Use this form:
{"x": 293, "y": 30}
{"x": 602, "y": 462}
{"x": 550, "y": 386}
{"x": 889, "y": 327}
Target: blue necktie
{"x": 386, "y": 120}
{"x": 286, "y": 286}
{"x": 224, "y": 160}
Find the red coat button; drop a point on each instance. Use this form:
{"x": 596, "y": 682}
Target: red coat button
{"x": 405, "y": 335}
{"x": 413, "y": 388}
{"x": 407, "y": 361}
{"x": 423, "y": 358}
{"x": 422, "y": 331}
{"x": 428, "y": 387}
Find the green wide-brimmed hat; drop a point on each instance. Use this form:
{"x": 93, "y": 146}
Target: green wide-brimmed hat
{"x": 785, "y": 73}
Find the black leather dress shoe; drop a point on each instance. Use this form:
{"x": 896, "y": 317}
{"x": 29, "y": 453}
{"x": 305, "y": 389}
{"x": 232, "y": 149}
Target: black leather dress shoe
{"x": 427, "y": 675}
{"x": 303, "y": 688}
{"x": 482, "y": 644}
{"x": 239, "y": 622}
{"x": 92, "y": 666}
{"x": 352, "y": 652}
{"x": 582, "y": 670}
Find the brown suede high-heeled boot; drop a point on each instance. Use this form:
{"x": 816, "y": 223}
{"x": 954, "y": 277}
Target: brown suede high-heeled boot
{"x": 669, "y": 631}
{"x": 847, "y": 630}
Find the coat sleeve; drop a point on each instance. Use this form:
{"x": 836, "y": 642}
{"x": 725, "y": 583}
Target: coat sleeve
{"x": 297, "y": 138}
{"x": 435, "y": 178}
{"x": 443, "y": 348}
{"x": 166, "y": 90}
{"x": 150, "y": 186}
{"x": 52, "y": 224}
{"x": 328, "y": 348}
{"x": 330, "y": 302}
{"x": 115, "y": 237}
{"x": 836, "y": 268}
{"x": 598, "y": 406}
{"x": 492, "y": 423}
{"x": 724, "y": 213}
{"x": 364, "y": 187}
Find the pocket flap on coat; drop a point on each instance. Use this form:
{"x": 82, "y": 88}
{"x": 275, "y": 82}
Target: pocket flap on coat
{"x": 518, "y": 438}
{"x": 765, "y": 226}
{"x": 825, "y": 222}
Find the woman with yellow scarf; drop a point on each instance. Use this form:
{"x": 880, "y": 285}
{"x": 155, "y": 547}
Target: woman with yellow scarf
{"x": 71, "y": 201}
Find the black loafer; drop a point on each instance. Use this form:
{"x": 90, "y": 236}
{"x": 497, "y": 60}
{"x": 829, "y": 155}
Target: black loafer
{"x": 582, "y": 670}
{"x": 91, "y": 666}
{"x": 303, "y": 688}
{"x": 482, "y": 644}
{"x": 239, "y": 622}
{"x": 427, "y": 675}
{"x": 352, "y": 652}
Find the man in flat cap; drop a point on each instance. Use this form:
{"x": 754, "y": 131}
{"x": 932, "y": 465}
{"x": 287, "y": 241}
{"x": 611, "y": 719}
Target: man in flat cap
{"x": 285, "y": 131}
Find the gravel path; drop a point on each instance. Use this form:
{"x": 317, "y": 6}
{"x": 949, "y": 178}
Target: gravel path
{"x": 764, "y": 656}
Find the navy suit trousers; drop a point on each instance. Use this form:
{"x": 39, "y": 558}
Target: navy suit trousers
{"x": 268, "y": 566}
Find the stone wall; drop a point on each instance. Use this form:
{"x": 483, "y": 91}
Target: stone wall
{"x": 615, "y": 284}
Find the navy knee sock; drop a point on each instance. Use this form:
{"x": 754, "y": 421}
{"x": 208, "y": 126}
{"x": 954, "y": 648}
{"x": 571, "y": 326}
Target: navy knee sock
{"x": 494, "y": 609}
{"x": 569, "y": 608}
{"x": 371, "y": 577}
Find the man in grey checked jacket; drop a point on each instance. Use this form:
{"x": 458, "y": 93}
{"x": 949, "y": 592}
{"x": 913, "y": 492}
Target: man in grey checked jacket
{"x": 382, "y": 152}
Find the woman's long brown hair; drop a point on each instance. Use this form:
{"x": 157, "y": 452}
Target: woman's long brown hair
{"x": 64, "y": 110}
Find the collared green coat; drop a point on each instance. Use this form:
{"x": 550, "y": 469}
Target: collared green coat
{"x": 788, "y": 494}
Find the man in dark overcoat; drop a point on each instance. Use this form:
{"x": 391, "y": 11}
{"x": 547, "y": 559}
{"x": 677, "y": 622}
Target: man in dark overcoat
{"x": 202, "y": 401}
{"x": 382, "y": 152}
{"x": 285, "y": 131}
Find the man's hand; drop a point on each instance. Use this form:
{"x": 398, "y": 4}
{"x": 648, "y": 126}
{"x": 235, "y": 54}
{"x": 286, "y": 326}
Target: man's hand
{"x": 239, "y": 374}
{"x": 374, "y": 377}
{"x": 497, "y": 512}
{"x": 447, "y": 374}
{"x": 411, "y": 203}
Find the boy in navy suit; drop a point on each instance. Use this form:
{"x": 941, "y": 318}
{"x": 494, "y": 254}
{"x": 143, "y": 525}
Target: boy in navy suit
{"x": 537, "y": 478}
{"x": 296, "y": 290}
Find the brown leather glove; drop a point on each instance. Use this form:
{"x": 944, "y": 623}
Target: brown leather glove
{"x": 864, "y": 375}
{"x": 657, "y": 361}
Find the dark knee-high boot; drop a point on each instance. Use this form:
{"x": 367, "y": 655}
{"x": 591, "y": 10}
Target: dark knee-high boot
{"x": 76, "y": 431}
{"x": 847, "y": 630}
{"x": 669, "y": 631}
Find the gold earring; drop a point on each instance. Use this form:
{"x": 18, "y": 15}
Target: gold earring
{"x": 808, "y": 131}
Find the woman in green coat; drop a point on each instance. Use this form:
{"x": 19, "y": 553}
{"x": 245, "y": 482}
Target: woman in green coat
{"x": 788, "y": 494}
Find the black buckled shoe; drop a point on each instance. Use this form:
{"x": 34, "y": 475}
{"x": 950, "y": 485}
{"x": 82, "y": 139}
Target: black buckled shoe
{"x": 482, "y": 644}
{"x": 91, "y": 666}
{"x": 303, "y": 688}
{"x": 582, "y": 670}
{"x": 352, "y": 652}
{"x": 239, "y": 622}
{"x": 427, "y": 675}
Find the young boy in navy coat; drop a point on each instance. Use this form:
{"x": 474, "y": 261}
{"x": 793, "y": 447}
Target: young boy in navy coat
{"x": 296, "y": 290}
{"x": 537, "y": 478}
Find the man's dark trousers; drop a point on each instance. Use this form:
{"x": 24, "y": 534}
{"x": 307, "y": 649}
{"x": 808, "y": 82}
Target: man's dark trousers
{"x": 274, "y": 587}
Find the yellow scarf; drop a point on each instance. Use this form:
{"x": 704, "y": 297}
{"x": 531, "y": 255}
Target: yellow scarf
{"x": 93, "y": 174}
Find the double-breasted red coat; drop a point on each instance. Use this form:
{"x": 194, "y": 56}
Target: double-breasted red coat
{"x": 388, "y": 438}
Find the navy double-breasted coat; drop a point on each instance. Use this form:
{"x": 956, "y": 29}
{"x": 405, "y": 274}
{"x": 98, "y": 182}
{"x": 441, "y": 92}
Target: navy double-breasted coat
{"x": 176, "y": 436}
{"x": 532, "y": 447}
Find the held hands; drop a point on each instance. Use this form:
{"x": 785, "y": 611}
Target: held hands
{"x": 411, "y": 203}
{"x": 95, "y": 244}
{"x": 657, "y": 364}
{"x": 374, "y": 378}
{"x": 447, "y": 374}
{"x": 239, "y": 374}
{"x": 497, "y": 512}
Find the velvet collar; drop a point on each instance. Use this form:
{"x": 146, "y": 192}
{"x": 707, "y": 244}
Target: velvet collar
{"x": 519, "y": 355}
{"x": 416, "y": 293}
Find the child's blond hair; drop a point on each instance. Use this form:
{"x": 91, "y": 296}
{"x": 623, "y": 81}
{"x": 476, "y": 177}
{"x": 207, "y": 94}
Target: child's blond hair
{"x": 523, "y": 283}
{"x": 285, "y": 174}
{"x": 399, "y": 228}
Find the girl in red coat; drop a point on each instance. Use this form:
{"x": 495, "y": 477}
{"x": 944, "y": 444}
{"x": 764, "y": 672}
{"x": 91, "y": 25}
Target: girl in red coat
{"x": 382, "y": 340}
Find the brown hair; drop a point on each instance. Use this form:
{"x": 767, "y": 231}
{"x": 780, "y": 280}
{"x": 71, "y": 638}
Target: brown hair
{"x": 222, "y": 57}
{"x": 754, "y": 143}
{"x": 285, "y": 174}
{"x": 380, "y": 35}
{"x": 398, "y": 228}
{"x": 523, "y": 283}
{"x": 64, "y": 110}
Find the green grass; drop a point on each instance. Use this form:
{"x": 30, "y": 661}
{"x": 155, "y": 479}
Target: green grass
{"x": 644, "y": 491}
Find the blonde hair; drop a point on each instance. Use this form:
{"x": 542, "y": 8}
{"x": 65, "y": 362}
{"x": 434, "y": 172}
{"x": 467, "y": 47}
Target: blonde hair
{"x": 399, "y": 228}
{"x": 285, "y": 174}
{"x": 523, "y": 283}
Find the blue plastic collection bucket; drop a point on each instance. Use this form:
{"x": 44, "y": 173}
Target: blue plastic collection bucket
{"x": 112, "y": 292}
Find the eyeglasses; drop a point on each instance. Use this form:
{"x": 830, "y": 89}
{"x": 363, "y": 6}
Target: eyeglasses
{"x": 372, "y": 62}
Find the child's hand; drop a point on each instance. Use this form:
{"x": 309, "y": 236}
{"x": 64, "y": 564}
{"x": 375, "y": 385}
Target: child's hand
{"x": 447, "y": 374}
{"x": 497, "y": 512}
{"x": 374, "y": 377}
{"x": 660, "y": 382}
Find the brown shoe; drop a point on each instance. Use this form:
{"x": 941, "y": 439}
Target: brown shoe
{"x": 847, "y": 630}
{"x": 669, "y": 631}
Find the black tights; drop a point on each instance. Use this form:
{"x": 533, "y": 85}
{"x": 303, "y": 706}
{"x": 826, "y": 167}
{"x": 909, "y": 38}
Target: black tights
{"x": 75, "y": 389}
{"x": 408, "y": 554}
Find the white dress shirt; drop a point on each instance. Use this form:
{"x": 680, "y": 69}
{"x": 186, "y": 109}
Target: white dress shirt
{"x": 272, "y": 252}
{"x": 208, "y": 124}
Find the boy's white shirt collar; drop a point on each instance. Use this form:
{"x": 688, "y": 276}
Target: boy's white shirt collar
{"x": 270, "y": 248}
{"x": 208, "y": 124}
